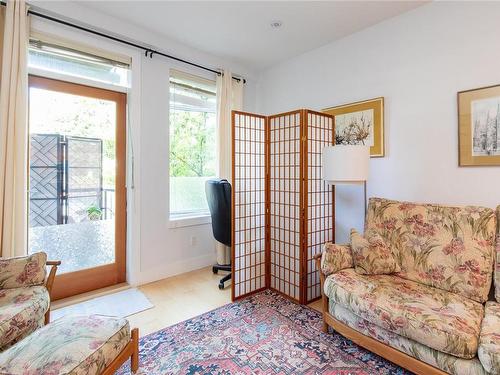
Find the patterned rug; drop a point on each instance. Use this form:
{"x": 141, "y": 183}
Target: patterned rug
{"x": 262, "y": 334}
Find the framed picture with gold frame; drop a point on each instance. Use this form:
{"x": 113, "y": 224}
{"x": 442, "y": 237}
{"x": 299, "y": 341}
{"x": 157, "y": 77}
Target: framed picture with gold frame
{"x": 360, "y": 123}
{"x": 479, "y": 126}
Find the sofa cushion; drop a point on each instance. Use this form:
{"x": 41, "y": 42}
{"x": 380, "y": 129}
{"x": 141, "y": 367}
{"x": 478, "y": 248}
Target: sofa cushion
{"x": 22, "y": 311}
{"x": 23, "y": 271}
{"x": 70, "y": 345}
{"x": 450, "y": 248}
{"x": 335, "y": 258}
{"x": 371, "y": 255}
{"x": 497, "y": 263}
{"x": 441, "y": 320}
{"x": 489, "y": 341}
{"x": 443, "y": 361}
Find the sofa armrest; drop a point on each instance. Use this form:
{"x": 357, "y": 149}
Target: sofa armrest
{"x": 489, "y": 339}
{"x": 335, "y": 257}
{"x": 52, "y": 274}
{"x": 23, "y": 271}
{"x": 53, "y": 264}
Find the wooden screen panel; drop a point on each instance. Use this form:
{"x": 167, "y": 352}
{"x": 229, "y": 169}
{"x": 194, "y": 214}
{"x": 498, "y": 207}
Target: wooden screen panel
{"x": 248, "y": 204}
{"x": 285, "y": 203}
{"x": 319, "y": 214}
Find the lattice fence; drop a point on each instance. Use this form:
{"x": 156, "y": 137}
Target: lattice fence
{"x": 65, "y": 178}
{"x": 45, "y": 180}
{"x": 84, "y": 176}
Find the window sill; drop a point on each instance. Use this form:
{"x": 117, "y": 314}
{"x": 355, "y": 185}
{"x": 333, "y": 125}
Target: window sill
{"x": 189, "y": 221}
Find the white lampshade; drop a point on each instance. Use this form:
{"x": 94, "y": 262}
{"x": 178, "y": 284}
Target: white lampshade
{"x": 345, "y": 164}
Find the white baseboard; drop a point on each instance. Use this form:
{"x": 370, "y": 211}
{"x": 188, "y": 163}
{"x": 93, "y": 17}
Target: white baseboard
{"x": 172, "y": 269}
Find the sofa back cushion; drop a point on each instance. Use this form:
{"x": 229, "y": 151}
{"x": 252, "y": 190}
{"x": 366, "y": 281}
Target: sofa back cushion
{"x": 371, "y": 255}
{"x": 450, "y": 248}
{"x": 23, "y": 271}
{"x": 497, "y": 263}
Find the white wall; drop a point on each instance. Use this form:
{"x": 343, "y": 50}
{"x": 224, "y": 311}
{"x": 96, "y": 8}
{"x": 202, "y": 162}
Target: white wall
{"x": 155, "y": 250}
{"x": 418, "y": 62}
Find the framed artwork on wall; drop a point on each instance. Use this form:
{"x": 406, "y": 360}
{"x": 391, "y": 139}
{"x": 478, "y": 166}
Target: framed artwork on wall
{"x": 360, "y": 123}
{"x": 479, "y": 126}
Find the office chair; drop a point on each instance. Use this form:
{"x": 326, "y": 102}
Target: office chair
{"x": 218, "y": 193}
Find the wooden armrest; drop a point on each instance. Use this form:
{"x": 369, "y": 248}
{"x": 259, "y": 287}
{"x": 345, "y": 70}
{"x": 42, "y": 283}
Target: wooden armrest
{"x": 318, "y": 256}
{"x": 50, "y": 281}
{"x": 52, "y": 274}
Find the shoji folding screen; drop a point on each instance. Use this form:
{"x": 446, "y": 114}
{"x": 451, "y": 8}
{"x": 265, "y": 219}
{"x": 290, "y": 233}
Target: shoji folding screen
{"x": 282, "y": 210}
{"x": 249, "y": 204}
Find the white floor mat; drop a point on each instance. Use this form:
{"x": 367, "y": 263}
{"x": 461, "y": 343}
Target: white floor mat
{"x": 120, "y": 304}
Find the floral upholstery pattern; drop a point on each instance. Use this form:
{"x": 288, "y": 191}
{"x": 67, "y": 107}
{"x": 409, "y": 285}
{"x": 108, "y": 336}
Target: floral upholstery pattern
{"x": 23, "y": 271}
{"x": 371, "y": 255}
{"x": 489, "y": 342}
{"x": 441, "y": 320}
{"x": 335, "y": 258}
{"x": 22, "y": 311}
{"x": 497, "y": 263}
{"x": 450, "y": 248}
{"x": 443, "y": 361}
{"x": 70, "y": 345}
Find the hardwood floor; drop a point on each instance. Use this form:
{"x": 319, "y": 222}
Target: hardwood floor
{"x": 179, "y": 298}
{"x": 316, "y": 305}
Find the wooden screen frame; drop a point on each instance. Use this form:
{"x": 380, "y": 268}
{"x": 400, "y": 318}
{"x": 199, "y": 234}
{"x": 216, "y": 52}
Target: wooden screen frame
{"x": 235, "y": 297}
{"x": 300, "y": 229}
{"x": 72, "y": 283}
{"x": 303, "y": 202}
{"x": 305, "y": 245}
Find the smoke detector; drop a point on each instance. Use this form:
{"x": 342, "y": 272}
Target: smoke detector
{"x": 276, "y": 24}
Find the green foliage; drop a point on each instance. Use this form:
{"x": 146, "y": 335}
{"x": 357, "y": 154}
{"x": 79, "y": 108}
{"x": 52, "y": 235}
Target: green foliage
{"x": 192, "y": 144}
{"x": 94, "y": 213}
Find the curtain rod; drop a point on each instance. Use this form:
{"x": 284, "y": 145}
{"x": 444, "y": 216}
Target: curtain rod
{"x": 147, "y": 51}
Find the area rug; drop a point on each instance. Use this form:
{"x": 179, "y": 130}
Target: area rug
{"x": 262, "y": 334}
{"x": 122, "y": 304}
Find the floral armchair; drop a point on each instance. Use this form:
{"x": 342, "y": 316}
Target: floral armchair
{"x": 25, "y": 289}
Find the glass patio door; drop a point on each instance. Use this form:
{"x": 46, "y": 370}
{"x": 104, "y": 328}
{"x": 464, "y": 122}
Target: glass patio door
{"x": 77, "y": 195}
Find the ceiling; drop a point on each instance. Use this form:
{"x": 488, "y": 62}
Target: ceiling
{"x": 241, "y": 30}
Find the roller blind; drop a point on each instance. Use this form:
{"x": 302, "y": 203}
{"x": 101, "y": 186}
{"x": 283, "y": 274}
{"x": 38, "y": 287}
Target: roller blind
{"x": 73, "y": 61}
{"x": 190, "y": 93}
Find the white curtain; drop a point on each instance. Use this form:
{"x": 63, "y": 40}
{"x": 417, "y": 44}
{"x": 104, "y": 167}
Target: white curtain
{"x": 14, "y": 131}
{"x": 229, "y": 97}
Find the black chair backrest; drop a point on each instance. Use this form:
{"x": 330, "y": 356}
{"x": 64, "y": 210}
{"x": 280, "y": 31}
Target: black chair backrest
{"x": 218, "y": 193}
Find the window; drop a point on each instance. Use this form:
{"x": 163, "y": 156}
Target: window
{"x": 192, "y": 143}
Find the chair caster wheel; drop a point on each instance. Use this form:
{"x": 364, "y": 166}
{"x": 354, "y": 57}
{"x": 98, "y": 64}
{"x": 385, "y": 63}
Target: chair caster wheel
{"x": 221, "y": 286}
{"x": 215, "y": 270}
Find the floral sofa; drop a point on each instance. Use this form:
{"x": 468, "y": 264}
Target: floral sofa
{"x": 24, "y": 296}
{"x": 437, "y": 314}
